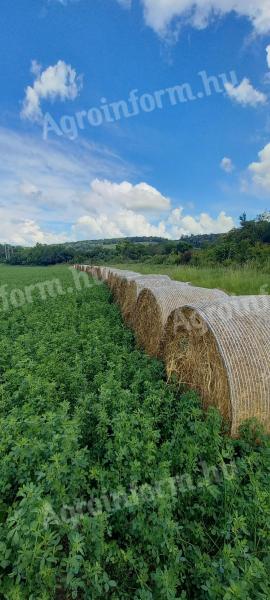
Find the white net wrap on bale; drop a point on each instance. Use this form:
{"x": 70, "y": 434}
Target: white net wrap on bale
{"x": 155, "y": 305}
{"x": 133, "y": 288}
{"x": 116, "y": 278}
{"x": 223, "y": 351}
{"x": 104, "y": 273}
{"x": 127, "y": 281}
{"x": 92, "y": 270}
{"x": 112, "y": 274}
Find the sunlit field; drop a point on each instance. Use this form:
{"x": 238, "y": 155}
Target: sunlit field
{"x": 19, "y": 276}
{"x": 115, "y": 483}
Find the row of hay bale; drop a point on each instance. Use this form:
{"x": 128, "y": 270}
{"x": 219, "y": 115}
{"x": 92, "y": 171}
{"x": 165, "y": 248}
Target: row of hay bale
{"x": 216, "y": 344}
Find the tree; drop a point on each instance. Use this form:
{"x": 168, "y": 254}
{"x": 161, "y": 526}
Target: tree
{"x": 243, "y": 219}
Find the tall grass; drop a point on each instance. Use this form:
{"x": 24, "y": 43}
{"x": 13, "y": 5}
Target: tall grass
{"x": 239, "y": 281}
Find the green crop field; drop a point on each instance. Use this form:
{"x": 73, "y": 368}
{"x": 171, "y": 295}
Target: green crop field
{"x": 115, "y": 484}
{"x": 241, "y": 280}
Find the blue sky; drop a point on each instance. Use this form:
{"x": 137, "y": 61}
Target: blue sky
{"x": 171, "y": 163}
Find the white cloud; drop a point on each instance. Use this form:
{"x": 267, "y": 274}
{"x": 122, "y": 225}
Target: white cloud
{"x": 268, "y": 56}
{"x": 112, "y": 196}
{"x": 227, "y": 165}
{"x": 122, "y": 210}
{"x": 47, "y": 195}
{"x": 58, "y": 81}
{"x": 45, "y": 184}
{"x": 26, "y": 232}
{"x": 127, "y": 223}
{"x": 123, "y": 224}
{"x": 260, "y": 170}
{"x": 204, "y": 223}
{"x": 245, "y": 93}
{"x": 88, "y": 227}
{"x": 162, "y": 14}
{"x": 165, "y": 15}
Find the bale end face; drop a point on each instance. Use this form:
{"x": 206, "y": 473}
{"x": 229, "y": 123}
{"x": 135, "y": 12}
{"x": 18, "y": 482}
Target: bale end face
{"x": 222, "y": 350}
{"x": 192, "y": 355}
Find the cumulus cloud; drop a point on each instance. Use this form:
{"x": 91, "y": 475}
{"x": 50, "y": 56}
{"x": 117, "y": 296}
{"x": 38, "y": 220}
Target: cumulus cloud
{"x": 59, "y": 81}
{"x": 26, "y": 232}
{"x": 162, "y": 14}
{"x": 125, "y": 223}
{"x": 245, "y": 94}
{"x": 141, "y": 197}
{"x": 59, "y": 192}
{"x": 185, "y": 224}
{"x": 260, "y": 170}
{"x": 43, "y": 184}
{"x": 268, "y": 56}
{"x": 124, "y": 209}
{"x": 121, "y": 210}
{"x": 227, "y": 165}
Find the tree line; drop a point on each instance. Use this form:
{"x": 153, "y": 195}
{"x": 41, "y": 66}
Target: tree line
{"x": 249, "y": 243}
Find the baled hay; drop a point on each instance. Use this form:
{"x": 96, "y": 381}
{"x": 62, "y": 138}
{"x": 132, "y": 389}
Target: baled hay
{"x": 94, "y": 271}
{"x": 122, "y": 285}
{"x": 154, "y": 307}
{"x": 116, "y": 281}
{"x": 133, "y": 288}
{"x": 222, "y": 350}
{"x": 120, "y": 278}
{"x": 111, "y": 276}
{"x": 104, "y": 273}
{"x": 192, "y": 355}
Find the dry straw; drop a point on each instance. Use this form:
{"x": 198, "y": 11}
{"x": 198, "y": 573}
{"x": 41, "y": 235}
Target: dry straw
{"x": 116, "y": 278}
{"x": 121, "y": 283}
{"x": 132, "y": 289}
{"x": 104, "y": 273}
{"x": 112, "y": 276}
{"x": 155, "y": 305}
{"x": 223, "y": 351}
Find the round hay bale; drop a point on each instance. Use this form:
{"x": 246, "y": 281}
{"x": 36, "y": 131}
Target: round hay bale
{"x": 155, "y": 305}
{"x": 111, "y": 276}
{"x": 222, "y": 350}
{"x": 92, "y": 270}
{"x": 104, "y": 273}
{"x": 119, "y": 279}
{"x": 133, "y": 288}
{"x": 116, "y": 281}
{"x": 123, "y": 286}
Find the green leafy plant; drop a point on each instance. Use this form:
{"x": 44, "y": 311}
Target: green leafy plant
{"x": 114, "y": 484}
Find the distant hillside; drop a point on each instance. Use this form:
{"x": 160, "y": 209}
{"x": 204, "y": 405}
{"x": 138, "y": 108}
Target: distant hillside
{"x": 249, "y": 243}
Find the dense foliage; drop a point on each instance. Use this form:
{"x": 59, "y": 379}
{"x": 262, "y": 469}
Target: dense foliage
{"x": 113, "y": 483}
{"x": 250, "y": 243}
